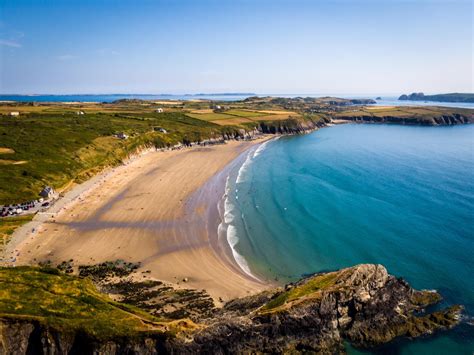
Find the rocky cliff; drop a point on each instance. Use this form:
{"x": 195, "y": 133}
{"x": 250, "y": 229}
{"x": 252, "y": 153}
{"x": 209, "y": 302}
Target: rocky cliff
{"x": 291, "y": 126}
{"x": 363, "y": 305}
{"x": 428, "y": 120}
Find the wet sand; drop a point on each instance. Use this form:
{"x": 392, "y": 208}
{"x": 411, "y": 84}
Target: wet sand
{"x": 159, "y": 210}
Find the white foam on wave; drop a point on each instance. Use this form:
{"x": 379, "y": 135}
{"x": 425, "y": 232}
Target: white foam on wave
{"x": 232, "y": 239}
{"x": 243, "y": 169}
{"x": 250, "y": 157}
{"x": 229, "y": 208}
{"x": 260, "y": 149}
{"x": 226, "y": 229}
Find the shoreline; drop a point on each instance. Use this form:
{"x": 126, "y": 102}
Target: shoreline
{"x": 189, "y": 230}
{"x": 67, "y": 199}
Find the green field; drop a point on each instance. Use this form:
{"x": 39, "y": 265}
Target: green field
{"x": 209, "y": 116}
{"x": 55, "y": 149}
{"x": 242, "y": 113}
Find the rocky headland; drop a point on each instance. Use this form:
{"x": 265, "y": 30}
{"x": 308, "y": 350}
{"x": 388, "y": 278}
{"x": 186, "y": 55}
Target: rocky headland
{"x": 452, "y": 97}
{"x": 363, "y": 305}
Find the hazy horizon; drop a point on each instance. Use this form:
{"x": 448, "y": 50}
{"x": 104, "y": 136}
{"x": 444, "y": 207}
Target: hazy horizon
{"x": 266, "y": 47}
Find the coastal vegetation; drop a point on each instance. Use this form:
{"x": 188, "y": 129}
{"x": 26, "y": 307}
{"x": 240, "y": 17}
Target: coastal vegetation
{"x": 67, "y": 304}
{"x": 56, "y": 144}
{"x": 364, "y": 305}
{"x": 58, "y": 148}
{"x": 425, "y": 115}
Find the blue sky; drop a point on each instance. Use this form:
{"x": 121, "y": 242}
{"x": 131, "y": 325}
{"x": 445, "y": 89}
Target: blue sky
{"x": 298, "y": 46}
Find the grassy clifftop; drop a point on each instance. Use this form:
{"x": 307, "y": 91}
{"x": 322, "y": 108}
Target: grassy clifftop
{"x": 362, "y": 304}
{"x": 426, "y": 115}
{"x": 67, "y": 303}
{"x": 55, "y": 148}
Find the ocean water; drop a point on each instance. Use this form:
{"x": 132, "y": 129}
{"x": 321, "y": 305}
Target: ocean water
{"x": 114, "y": 97}
{"x": 402, "y": 196}
{"x": 385, "y": 101}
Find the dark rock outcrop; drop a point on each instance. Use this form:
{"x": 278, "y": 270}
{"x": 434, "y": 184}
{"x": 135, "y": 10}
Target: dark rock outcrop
{"x": 290, "y": 126}
{"x": 413, "y": 96}
{"x": 363, "y": 305}
{"x": 453, "y": 97}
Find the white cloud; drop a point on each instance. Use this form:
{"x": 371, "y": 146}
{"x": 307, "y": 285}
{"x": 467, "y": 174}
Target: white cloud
{"x": 7, "y": 43}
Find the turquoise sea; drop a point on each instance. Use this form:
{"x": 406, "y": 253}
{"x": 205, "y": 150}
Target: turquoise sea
{"x": 402, "y": 196}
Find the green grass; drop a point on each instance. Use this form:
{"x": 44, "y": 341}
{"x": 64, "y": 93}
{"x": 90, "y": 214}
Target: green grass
{"x": 59, "y": 148}
{"x": 240, "y": 113}
{"x": 66, "y": 303}
{"x": 313, "y": 285}
{"x": 210, "y": 116}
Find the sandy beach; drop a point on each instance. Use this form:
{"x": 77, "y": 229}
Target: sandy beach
{"x": 159, "y": 209}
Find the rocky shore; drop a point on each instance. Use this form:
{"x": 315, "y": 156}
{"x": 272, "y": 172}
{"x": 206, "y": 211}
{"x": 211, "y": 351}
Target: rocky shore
{"x": 363, "y": 305}
{"x": 434, "y": 120}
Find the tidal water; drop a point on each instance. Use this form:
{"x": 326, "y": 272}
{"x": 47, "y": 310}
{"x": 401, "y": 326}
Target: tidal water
{"x": 401, "y": 196}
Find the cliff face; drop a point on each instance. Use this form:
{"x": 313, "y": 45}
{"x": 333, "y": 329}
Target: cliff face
{"x": 444, "y": 119}
{"x": 291, "y": 126}
{"x": 363, "y": 305}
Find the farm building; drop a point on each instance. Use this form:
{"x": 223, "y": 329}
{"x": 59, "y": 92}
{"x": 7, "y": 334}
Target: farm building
{"x": 14, "y": 113}
{"x": 47, "y": 192}
{"x": 159, "y": 110}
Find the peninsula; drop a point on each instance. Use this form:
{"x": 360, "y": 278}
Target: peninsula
{"x": 453, "y": 97}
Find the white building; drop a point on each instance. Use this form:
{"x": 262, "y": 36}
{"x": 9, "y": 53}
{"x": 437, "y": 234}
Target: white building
{"x": 14, "y": 113}
{"x": 159, "y": 110}
{"x": 47, "y": 192}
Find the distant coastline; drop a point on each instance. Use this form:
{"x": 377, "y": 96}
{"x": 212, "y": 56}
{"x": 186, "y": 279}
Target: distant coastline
{"x": 114, "y": 97}
{"x": 452, "y": 97}
{"x": 380, "y": 100}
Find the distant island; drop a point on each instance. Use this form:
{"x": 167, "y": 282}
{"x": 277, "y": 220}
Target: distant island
{"x": 453, "y": 97}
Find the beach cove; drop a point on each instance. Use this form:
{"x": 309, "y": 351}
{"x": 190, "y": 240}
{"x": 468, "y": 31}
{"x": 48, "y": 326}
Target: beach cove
{"x": 160, "y": 209}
